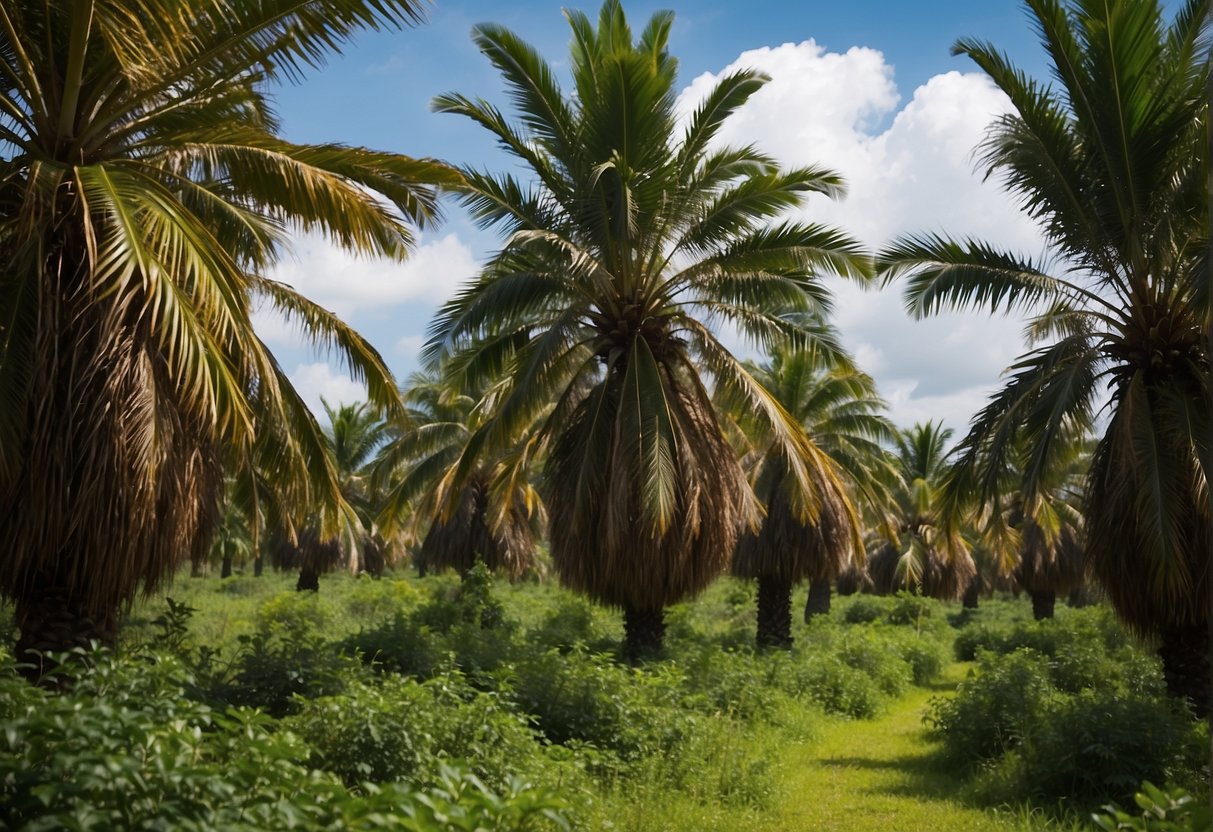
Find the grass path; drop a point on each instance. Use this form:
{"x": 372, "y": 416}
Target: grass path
{"x": 878, "y": 775}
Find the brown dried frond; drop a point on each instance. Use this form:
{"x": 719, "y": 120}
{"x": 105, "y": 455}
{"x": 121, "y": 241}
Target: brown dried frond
{"x": 923, "y": 570}
{"x": 1050, "y": 566}
{"x": 117, "y": 484}
{"x": 786, "y": 548}
{"x": 612, "y": 552}
{"x": 467, "y": 536}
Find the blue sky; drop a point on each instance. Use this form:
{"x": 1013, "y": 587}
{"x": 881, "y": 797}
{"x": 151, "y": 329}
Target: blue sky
{"x": 867, "y": 87}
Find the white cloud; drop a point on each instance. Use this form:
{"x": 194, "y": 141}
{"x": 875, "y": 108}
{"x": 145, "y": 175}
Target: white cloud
{"x": 348, "y": 285}
{"x": 907, "y": 171}
{"x": 321, "y": 380}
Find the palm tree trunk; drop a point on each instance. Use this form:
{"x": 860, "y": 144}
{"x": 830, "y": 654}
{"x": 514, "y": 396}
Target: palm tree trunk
{"x": 258, "y": 566}
{"x": 197, "y": 569}
{"x": 818, "y": 602}
{"x": 644, "y": 633}
{"x": 1043, "y": 604}
{"x": 52, "y": 622}
{"x": 1185, "y": 665}
{"x": 972, "y": 595}
{"x": 774, "y": 612}
{"x": 225, "y": 571}
{"x": 309, "y": 579}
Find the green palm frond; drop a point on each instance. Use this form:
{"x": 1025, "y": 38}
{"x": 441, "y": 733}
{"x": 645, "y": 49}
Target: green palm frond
{"x": 1111, "y": 160}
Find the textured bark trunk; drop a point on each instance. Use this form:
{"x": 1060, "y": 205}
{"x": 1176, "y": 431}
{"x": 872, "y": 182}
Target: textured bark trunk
{"x": 51, "y": 622}
{"x": 309, "y": 579}
{"x": 1042, "y": 604}
{"x": 818, "y": 602}
{"x": 774, "y": 612}
{"x": 644, "y": 633}
{"x": 258, "y": 566}
{"x": 1185, "y": 665}
{"x": 972, "y": 595}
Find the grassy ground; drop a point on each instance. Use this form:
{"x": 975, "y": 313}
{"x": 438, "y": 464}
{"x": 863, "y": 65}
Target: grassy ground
{"x": 878, "y": 775}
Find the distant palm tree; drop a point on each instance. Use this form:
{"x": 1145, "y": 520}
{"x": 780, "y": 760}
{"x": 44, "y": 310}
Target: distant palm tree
{"x": 839, "y": 408}
{"x": 144, "y": 193}
{"x": 489, "y": 515}
{"x": 1111, "y": 159}
{"x": 1038, "y": 541}
{"x": 632, "y": 238}
{"x": 928, "y": 552}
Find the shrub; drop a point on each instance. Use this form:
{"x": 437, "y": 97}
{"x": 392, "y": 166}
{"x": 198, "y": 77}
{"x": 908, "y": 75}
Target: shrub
{"x": 402, "y": 645}
{"x": 581, "y": 697}
{"x": 1162, "y": 810}
{"x": 571, "y": 623}
{"x": 991, "y": 710}
{"x": 867, "y": 608}
{"x": 837, "y": 687}
{"x": 126, "y": 749}
{"x": 285, "y": 659}
{"x": 400, "y": 729}
{"x": 1096, "y": 746}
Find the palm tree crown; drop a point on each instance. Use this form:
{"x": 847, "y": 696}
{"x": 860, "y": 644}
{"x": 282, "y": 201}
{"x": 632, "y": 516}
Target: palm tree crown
{"x": 927, "y": 550}
{"x": 841, "y": 412}
{"x": 633, "y": 237}
{"x": 143, "y": 194}
{"x": 1112, "y": 161}
{"x": 489, "y": 514}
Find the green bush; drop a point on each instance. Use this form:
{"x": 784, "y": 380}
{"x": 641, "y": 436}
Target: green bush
{"x": 579, "y": 697}
{"x": 993, "y": 708}
{"x": 400, "y": 729}
{"x": 127, "y": 749}
{"x": 402, "y": 645}
{"x": 837, "y": 687}
{"x": 1088, "y": 724}
{"x": 867, "y": 608}
{"x": 286, "y": 660}
{"x": 1094, "y": 746}
{"x": 1162, "y": 810}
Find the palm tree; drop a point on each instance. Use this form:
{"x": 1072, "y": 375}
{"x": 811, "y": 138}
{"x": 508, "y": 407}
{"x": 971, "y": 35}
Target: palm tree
{"x": 144, "y": 192}
{"x": 840, "y": 410}
{"x": 632, "y": 238}
{"x": 1039, "y": 541}
{"x": 490, "y": 515}
{"x": 927, "y": 552}
{"x": 1112, "y": 161}
{"x": 355, "y": 436}
{"x": 352, "y": 439}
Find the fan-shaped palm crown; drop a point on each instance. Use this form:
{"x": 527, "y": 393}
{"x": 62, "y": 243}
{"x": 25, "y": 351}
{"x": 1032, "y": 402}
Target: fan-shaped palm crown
{"x": 634, "y": 235}
{"x": 143, "y": 194}
{"x": 487, "y": 514}
{"x": 929, "y": 552}
{"x": 840, "y": 410}
{"x": 1112, "y": 161}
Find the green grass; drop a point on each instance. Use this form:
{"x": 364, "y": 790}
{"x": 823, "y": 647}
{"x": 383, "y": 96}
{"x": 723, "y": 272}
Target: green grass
{"x": 879, "y": 775}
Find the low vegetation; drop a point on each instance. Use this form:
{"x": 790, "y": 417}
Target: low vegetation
{"x": 443, "y": 703}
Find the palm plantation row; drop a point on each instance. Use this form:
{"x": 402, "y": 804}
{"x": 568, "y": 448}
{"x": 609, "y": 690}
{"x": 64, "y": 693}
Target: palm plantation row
{"x": 146, "y": 193}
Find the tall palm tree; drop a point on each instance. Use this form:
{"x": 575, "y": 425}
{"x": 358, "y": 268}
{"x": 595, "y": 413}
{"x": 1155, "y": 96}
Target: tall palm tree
{"x": 489, "y": 515}
{"x": 631, "y": 238}
{"x": 1112, "y": 161}
{"x": 839, "y": 408}
{"x": 144, "y": 192}
{"x": 927, "y": 551}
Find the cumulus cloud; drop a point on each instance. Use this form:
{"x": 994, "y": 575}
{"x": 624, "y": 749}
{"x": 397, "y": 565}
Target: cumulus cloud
{"x": 908, "y": 170}
{"x": 349, "y": 285}
{"x": 322, "y": 380}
